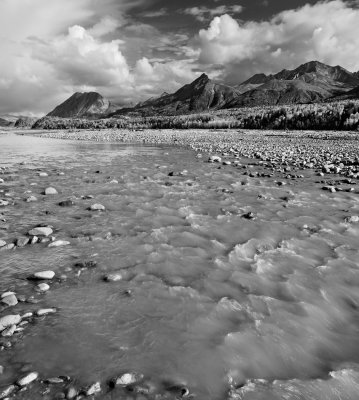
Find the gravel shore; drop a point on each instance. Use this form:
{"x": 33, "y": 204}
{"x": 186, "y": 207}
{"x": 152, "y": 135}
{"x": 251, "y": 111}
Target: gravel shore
{"x": 330, "y": 151}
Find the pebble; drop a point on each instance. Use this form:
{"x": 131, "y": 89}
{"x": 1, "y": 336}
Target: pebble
{"x": 43, "y": 174}
{"x": 41, "y": 231}
{"x": 42, "y": 287}
{"x": 9, "y": 320}
{"x": 97, "y": 207}
{"x": 27, "y": 379}
{"x": 2, "y": 243}
{"x": 50, "y": 190}
{"x": 45, "y": 311}
{"x": 22, "y": 242}
{"x": 4, "y": 393}
{"x": 113, "y": 277}
{"x": 9, "y": 331}
{"x": 71, "y": 393}
{"x": 66, "y": 203}
{"x": 93, "y": 389}
{"x": 58, "y": 243}
{"x": 10, "y": 300}
{"x": 31, "y": 199}
{"x": 45, "y": 275}
{"x": 27, "y": 315}
{"x": 126, "y": 379}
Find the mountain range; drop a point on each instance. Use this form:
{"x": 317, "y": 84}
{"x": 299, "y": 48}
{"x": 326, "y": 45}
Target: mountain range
{"x": 309, "y": 83}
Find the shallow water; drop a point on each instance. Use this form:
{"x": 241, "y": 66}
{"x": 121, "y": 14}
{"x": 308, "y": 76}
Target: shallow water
{"x": 249, "y": 309}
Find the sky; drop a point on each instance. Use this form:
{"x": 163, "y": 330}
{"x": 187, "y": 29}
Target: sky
{"x": 131, "y": 50}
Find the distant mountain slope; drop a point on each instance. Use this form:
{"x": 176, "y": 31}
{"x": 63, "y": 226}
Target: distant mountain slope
{"x": 352, "y": 94}
{"x": 310, "y": 82}
{"x": 89, "y": 104}
{"x": 200, "y": 95}
{"x": 5, "y": 122}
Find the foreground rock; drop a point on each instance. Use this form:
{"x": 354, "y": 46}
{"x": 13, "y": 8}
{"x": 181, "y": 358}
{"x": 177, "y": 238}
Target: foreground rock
{"x": 50, "y": 191}
{"x": 9, "y": 320}
{"x": 97, "y": 207}
{"x": 43, "y": 275}
{"x": 27, "y": 379}
{"x": 41, "y": 231}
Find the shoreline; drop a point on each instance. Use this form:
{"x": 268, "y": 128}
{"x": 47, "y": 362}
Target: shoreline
{"x": 327, "y": 151}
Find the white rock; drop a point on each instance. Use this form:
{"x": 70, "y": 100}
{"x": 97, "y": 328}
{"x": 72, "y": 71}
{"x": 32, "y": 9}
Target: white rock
{"x": 9, "y": 320}
{"x": 43, "y": 174}
{"x": 97, "y": 207}
{"x": 31, "y": 198}
{"x": 27, "y": 315}
{"x": 5, "y": 294}
{"x": 45, "y": 311}
{"x": 42, "y": 287}
{"x": 9, "y": 331}
{"x": 113, "y": 277}
{"x": 2, "y": 243}
{"x": 10, "y": 300}
{"x": 94, "y": 388}
{"x": 31, "y": 377}
{"x": 128, "y": 379}
{"x": 213, "y": 159}
{"x": 58, "y": 243}
{"x": 352, "y": 219}
{"x": 44, "y": 275}
{"x": 50, "y": 190}
{"x": 5, "y": 393}
{"x": 41, "y": 231}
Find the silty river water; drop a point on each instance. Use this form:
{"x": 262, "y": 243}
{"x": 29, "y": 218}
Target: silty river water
{"x": 209, "y": 299}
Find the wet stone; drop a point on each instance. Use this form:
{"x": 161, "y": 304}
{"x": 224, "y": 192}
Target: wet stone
{"x": 9, "y": 320}
{"x": 44, "y": 275}
{"x": 10, "y": 300}
{"x": 40, "y": 231}
{"x": 97, "y": 207}
{"x": 27, "y": 379}
{"x": 59, "y": 243}
{"x": 50, "y": 191}
{"x": 9, "y": 331}
{"x": 22, "y": 242}
{"x": 42, "y": 287}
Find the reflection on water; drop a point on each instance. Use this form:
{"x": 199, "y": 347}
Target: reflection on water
{"x": 209, "y": 299}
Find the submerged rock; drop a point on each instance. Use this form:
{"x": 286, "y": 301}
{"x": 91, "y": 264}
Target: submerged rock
{"x": 22, "y": 242}
{"x": 59, "y": 243}
{"x": 42, "y": 287}
{"x": 10, "y": 300}
{"x": 27, "y": 379}
{"x": 93, "y": 389}
{"x": 129, "y": 378}
{"x": 4, "y": 393}
{"x": 66, "y": 203}
{"x": 45, "y": 311}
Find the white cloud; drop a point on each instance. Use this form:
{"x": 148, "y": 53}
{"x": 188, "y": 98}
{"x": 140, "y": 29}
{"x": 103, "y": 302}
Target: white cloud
{"x": 327, "y": 31}
{"x": 205, "y": 13}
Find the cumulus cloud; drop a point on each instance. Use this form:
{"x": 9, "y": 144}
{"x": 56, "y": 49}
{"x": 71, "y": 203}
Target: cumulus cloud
{"x": 326, "y": 31}
{"x": 205, "y": 13}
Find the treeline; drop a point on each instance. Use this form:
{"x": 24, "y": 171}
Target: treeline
{"x": 343, "y": 115}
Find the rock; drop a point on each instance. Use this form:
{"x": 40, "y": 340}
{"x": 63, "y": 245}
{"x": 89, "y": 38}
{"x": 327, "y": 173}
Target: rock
{"x": 27, "y": 315}
{"x": 2, "y": 243}
{"x": 31, "y": 199}
{"x": 97, "y": 207}
{"x": 44, "y": 275}
{"x": 86, "y": 264}
{"x": 34, "y": 240}
{"x": 71, "y": 393}
{"x": 43, "y": 174}
{"x": 9, "y": 320}
{"x": 10, "y": 300}
{"x": 66, "y": 203}
{"x": 22, "y": 242}
{"x": 54, "y": 381}
{"x": 9, "y": 246}
{"x": 41, "y": 231}
{"x": 352, "y": 219}
{"x": 1, "y": 369}
{"x": 5, "y": 294}
{"x": 4, "y": 203}
{"x": 4, "y": 393}
{"x": 113, "y": 277}
{"x": 58, "y": 243}
{"x": 50, "y": 191}
{"x": 45, "y": 311}
{"x": 214, "y": 159}
{"x": 42, "y": 287}
{"x": 127, "y": 379}
{"x": 249, "y": 215}
{"x": 93, "y": 389}
{"x": 9, "y": 331}
{"x": 27, "y": 379}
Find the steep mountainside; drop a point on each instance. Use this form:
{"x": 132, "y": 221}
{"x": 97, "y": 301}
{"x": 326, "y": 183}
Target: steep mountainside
{"x": 5, "y": 122}
{"x": 352, "y": 94}
{"x": 200, "y": 95}
{"x": 310, "y": 82}
{"x": 89, "y": 105}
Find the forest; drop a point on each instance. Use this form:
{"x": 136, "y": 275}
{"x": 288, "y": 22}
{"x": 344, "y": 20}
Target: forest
{"x": 340, "y": 115}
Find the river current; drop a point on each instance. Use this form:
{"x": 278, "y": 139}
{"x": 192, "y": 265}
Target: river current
{"x": 229, "y": 306}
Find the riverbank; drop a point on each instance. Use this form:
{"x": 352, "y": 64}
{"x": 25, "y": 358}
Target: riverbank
{"x": 328, "y": 151}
